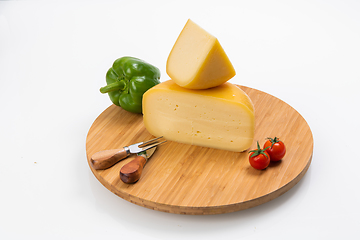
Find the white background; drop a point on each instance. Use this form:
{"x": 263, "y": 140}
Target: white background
{"x": 53, "y": 60}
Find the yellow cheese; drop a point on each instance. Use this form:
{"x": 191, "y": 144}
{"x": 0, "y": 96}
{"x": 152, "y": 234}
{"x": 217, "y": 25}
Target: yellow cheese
{"x": 197, "y": 60}
{"x": 221, "y": 117}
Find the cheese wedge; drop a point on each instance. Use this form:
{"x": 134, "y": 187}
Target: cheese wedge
{"x": 197, "y": 60}
{"x": 221, "y": 117}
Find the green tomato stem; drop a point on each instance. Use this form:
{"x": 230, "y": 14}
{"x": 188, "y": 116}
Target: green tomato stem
{"x": 273, "y": 141}
{"x": 258, "y": 151}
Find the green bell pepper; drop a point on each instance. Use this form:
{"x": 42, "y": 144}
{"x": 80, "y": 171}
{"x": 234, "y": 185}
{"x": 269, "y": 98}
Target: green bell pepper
{"x": 127, "y": 80}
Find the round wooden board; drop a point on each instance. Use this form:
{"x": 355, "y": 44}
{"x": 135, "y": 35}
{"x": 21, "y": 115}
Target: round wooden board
{"x": 185, "y": 179}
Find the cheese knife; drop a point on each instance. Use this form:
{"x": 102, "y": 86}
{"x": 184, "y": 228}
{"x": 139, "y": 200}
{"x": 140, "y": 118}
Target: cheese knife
{"x": 131, "y": 172}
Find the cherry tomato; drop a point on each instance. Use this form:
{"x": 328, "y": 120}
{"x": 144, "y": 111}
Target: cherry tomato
{"x": 259, "y": 158}
{"x": 275, "y": 148}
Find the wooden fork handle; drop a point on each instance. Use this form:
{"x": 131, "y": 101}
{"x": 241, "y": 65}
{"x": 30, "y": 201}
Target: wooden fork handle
{"x": 107, "y": 158}
{"x": 131, "y": 172}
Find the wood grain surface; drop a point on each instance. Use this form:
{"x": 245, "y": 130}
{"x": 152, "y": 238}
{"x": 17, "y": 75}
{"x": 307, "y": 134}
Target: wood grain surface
{"x": 185, "y": 179}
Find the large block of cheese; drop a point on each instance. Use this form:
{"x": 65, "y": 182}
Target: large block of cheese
{"x": 221, "y": 117}
{"x": 197, "y": 60}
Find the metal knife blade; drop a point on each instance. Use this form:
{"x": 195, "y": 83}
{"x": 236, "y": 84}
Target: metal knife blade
{"x": 148, "y": 153}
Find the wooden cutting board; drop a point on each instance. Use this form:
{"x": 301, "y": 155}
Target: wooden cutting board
{"x": 185, "y": 179}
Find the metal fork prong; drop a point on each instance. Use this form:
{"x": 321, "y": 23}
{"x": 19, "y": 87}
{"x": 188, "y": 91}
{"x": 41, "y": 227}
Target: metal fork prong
{"x": 150, "y": 141}
{"x": 152, "y": 145}
{"x": 143, "y": 146}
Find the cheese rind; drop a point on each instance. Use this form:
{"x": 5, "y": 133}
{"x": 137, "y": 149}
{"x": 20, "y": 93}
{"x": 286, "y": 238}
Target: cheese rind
{"x": 197, "y": 60}
{"x": 221, "y": 117}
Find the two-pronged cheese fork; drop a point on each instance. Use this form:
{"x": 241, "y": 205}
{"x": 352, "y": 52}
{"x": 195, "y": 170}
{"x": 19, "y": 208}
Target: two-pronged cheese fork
{"x": 107, "y": 158}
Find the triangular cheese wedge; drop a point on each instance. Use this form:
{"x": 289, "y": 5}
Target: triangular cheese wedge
{"x": 197, "y": 60}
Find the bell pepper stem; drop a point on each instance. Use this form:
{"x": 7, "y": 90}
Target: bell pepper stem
{"x": 115, "y": 86}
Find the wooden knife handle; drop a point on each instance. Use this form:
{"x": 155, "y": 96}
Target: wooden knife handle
{"x": 131, "y": 172}
{"x": 107, "y": 158}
